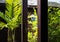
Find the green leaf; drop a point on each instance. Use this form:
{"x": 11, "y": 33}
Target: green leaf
{"x": 2, "y": 25}
{"x": 34, "y": 11}
{"x": 2, "y": 15}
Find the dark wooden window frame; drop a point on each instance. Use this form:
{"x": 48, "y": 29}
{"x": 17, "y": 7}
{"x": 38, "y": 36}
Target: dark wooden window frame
{"x": 39, "y": 19}
{"x": 24, "y": 25}
{"x": 24, "y": 21}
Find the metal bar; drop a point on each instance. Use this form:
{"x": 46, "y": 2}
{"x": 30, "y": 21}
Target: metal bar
{"x": 24, "y": 22}
{"x": 39, "y": 19}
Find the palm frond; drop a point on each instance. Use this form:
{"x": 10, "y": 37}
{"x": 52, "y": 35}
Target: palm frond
{"x": 12, "y": 15}
{"x": 3, "y": 16}
{"x": 2, "y": 25}
{"x": 8, "y": 12}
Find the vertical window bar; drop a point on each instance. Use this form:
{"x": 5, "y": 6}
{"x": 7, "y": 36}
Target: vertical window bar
{"x": 24, "y": 22}
{"x": 39, "y": 19}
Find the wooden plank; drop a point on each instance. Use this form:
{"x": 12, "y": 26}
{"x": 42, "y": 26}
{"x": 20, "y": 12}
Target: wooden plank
{"x": 24, "y": 22}
{"x": 39, "y": 20}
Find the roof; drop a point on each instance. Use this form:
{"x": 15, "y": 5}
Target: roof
{"x": 2, "y": 1}
{"x": 54, "y": 4}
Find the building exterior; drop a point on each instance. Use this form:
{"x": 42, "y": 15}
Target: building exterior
{"x": 2, "y": 1}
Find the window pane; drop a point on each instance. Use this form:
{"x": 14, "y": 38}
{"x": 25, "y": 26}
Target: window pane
{"x": 53, "y": 21}
{"x": 32, "y": 25}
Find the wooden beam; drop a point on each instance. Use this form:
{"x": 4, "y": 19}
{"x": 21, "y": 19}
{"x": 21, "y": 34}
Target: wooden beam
{"x": 24, "y": 22}
{"x": 39, "y": 19}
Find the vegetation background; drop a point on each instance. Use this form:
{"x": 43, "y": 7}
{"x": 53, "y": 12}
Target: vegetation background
{"x": 53, "y": 24}
{"x": 12, "y": 18}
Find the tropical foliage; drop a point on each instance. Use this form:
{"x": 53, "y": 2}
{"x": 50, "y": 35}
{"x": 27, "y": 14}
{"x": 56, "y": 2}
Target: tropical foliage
{"x": 32, "y": 27}
{"x": 12, "y": 15}
{"x": 53, "y": 24}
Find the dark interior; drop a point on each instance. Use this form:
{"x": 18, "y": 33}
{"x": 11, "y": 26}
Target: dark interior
{"x": 2, "y": 7}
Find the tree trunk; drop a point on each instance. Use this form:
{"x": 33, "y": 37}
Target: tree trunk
{"x": 11, "y": 37}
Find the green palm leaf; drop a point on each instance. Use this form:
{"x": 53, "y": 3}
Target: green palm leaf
{"x": 2, "y": 25}
{"x": 13, "y": 14}
{"x": 3, "y": 17}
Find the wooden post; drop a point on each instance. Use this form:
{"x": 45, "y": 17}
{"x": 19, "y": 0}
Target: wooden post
{"x": 24, "y": 22}
{"x": 39, "y": 19}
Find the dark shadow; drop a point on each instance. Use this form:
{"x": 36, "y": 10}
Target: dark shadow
{"x": 2, "y": 9}
{"x": 3, "y": 35}
{"x": 18, "y": 34}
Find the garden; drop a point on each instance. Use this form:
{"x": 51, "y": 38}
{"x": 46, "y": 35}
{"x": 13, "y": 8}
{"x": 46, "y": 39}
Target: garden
{"x": 53, "y": 24}
{"x": 11, "y": 19}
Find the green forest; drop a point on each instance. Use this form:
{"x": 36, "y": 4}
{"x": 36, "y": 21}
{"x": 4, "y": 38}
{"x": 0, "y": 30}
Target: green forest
{"x": 53, "y": 24}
